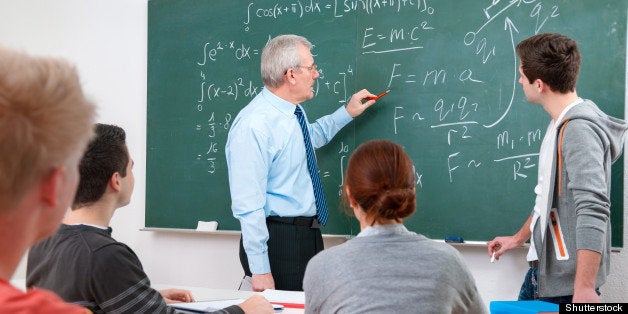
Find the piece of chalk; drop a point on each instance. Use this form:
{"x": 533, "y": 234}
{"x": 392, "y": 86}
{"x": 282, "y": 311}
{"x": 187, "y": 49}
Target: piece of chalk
{"x": 493, "y": 258}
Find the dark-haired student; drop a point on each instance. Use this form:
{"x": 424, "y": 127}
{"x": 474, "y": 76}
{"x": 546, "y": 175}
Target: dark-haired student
{"x": 45, "y": 123}
{"x": 386, "y": 268}
{"x": 82, "y": 262}
{"x": 569, "y": 227}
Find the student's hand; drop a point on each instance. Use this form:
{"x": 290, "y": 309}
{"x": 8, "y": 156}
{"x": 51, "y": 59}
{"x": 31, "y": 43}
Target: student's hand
{"x": 585, "y": 296}
{"x": 500, "y": 245}
{"x": 261, "y": 282}
{"x": 176, "y": 295}
{"x": 355, "y": 107}
{"x": 587, "y": 267}
{"x": 256, "y": 304}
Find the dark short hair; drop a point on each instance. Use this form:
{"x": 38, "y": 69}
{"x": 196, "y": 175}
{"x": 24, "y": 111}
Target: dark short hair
{"x": 380, "y": 176}
{"x": 553, "y": 58}
{"x": 106, "y": 154}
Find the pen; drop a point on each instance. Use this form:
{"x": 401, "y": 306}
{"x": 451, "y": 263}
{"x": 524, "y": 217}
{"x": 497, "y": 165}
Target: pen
{"x": 277, "y": 307}
{"x": 379, "y": 96}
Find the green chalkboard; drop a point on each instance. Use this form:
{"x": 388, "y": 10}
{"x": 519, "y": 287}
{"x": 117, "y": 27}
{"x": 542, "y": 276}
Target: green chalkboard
{"x": 454, "y": 101}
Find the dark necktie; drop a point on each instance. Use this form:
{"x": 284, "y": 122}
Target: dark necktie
{"x": 319, "y": 196}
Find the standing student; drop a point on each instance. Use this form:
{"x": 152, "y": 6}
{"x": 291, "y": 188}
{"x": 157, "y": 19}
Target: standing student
{"x": 82, "y": 262}
{"x": 275, "y": 186}
{"x": 569, "y": 226}
{"x": 45, "y": 123}
{"x": 386, "y": 268}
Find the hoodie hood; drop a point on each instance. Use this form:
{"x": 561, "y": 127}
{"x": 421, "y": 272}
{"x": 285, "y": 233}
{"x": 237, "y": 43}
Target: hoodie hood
{"x": 613, "y": 128}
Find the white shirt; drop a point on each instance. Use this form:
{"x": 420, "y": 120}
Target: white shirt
{"x": 542, "y": 188}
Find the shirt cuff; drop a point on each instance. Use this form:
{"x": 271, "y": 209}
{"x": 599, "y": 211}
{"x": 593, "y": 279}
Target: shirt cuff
{"x": 259, "y": 263}
{"x": 341, "y": 116}
{"x": 590, "y": 237}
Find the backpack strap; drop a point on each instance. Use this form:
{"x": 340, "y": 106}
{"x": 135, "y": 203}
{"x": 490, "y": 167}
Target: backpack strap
{"x": 559, "y": 173}
{"x": 555, "y": 229}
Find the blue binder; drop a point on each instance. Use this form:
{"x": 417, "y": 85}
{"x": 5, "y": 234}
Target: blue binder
{"x": 522, "y": 307}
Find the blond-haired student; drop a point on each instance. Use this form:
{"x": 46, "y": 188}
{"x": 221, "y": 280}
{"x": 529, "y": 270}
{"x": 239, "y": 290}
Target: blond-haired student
{"x": 45, "y": 123}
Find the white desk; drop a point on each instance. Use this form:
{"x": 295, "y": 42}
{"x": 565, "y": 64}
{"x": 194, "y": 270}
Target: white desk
{"x": 210, "y": 294}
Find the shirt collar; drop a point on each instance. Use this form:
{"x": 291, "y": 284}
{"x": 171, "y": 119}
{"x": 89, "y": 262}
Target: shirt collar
{"x": 564, "y": 112}
{"x": 108, "y": 230}
{"x": 281, "y": 104}
{"x": 383, "y": 230}
{"x": 90, "y": 225}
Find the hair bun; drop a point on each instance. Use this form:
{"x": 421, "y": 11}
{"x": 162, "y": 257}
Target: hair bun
{"x": 396, "y": 204}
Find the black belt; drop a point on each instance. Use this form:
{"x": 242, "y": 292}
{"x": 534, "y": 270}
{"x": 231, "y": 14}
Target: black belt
{"x": 533, "y": 264}
{"x": 311, "y": 222}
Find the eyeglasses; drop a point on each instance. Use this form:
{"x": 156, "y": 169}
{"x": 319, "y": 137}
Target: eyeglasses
{"x": 312, "y": 67}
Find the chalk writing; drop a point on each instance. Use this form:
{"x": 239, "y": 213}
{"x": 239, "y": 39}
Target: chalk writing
{"x": 453, "y": 116}
{"x": 337, "y": 8}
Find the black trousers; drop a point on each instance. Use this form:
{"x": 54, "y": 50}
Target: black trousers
{"x": 290, "y": 247}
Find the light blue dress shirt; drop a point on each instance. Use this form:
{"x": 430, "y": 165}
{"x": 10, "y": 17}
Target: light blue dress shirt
{"x": 268, "y": 173}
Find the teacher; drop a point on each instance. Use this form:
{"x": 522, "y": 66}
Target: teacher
{"x": 275, "y": 187}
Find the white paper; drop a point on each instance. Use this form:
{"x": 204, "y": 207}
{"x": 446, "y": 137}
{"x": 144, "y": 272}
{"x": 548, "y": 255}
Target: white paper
{"x": 284, "y": 296}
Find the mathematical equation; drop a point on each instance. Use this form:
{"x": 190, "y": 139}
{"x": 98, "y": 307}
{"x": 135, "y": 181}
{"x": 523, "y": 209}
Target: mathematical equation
{"x": 336, "y": 8}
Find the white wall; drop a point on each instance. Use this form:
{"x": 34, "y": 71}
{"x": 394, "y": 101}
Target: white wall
{"x": 106, "y": 39}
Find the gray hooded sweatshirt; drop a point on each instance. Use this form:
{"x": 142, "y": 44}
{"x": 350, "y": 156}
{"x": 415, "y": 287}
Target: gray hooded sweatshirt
{"x": 578, "y": 213}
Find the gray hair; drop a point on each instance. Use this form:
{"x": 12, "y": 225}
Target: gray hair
{"x": 280, "y": 54}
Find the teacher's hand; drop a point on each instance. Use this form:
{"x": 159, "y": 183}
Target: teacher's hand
{"x": 261, "y": 282}
{"x": 355, "y": 107}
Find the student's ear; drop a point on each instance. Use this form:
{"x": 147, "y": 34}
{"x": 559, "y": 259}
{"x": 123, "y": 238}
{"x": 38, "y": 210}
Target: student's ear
{"x": 114, "y": 181}
{"x": 357, "y": 211}
{"x": 51, "y": 185}
{"x": 540, "y": 85}
{"x": 352, "y": 202}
